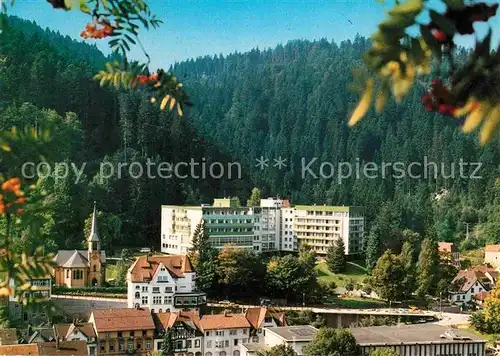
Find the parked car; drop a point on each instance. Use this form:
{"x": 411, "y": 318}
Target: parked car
{"x": 265, "y": 302}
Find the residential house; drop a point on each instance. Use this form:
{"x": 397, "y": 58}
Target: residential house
{"x": 448, "y": 250}
{"x": 492, "y": 255}
{"x": 186, "y": 332}
{"x": 82, "y": 268}
{"x": 224, "y": 334}
{"x": 120, "y": 331}
{"x": 77, "y": 331}
{"x": 471, "y": 281}
{"x": 163, "y": 284}
{"x": 480, "y": 297}
{"x": 296, "y": 336}
{"x": 262, "y": 317}
{"x": 40, "y": 335}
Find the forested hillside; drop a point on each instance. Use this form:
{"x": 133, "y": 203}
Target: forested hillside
{"x": 46, "y": 78}
{"x": 293, "y": 102}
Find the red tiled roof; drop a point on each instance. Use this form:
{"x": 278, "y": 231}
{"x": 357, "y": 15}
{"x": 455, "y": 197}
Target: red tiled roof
{"x": 16, "y": 350}
{"x": 122, "y": 319}
{"x": 224, "y": 321}
{"x": 66, "y": 348}
{"x": 492, "y": 248}
{"x": 145, "y": 267}
{"x": 167, "y": 320}
{"x": 86, "y": 328}
{"x": 256, "y": 316}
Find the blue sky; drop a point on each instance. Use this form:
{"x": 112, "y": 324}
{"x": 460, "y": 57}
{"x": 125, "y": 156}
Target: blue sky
{"x": 196, "y": 28}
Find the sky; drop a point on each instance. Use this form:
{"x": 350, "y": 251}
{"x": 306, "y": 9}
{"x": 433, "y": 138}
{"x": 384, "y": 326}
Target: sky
{"x": 195, "y": 28}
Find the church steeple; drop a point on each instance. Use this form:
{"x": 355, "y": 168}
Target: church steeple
{"x": 93, "y": 240}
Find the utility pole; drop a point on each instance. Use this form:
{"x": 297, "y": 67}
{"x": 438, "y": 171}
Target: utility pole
{"x": 467, "y": 230}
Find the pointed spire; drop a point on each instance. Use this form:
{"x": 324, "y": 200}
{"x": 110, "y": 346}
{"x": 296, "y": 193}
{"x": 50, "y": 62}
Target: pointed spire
{"x": 94, "y": 236}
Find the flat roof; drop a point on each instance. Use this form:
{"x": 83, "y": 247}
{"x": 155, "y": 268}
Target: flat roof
{"x": 295, "y": 333}
{"x": 256, "y": 347}
{"x": 330, "y": 208}
{"x": 410, "y": 334}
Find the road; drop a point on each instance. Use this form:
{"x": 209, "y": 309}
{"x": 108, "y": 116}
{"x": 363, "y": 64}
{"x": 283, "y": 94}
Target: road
{"x": 453, "y": 319}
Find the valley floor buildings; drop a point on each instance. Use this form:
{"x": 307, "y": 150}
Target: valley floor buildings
{"x": 274, "y": 225}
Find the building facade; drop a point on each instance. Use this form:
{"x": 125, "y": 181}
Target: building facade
{"x": 422, "y": 339}
{"x": 82, "y": 268}
{"x": 163, "y": 284}
{"x": 77, "y": 331}
{"x": 272, "y": 226}
{"x": 123, "y": 331}
{"x": 471, "y": 282}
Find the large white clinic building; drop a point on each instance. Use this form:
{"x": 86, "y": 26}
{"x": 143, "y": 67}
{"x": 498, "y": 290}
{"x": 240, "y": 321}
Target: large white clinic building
{"x": 274, "y": 225}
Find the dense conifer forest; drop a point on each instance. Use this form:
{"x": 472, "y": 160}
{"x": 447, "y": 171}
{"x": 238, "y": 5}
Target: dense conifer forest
{"x": 291, "y": 102}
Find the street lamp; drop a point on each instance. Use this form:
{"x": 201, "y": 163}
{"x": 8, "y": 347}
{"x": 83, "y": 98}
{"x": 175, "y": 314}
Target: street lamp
{"x": 303, "y": 300}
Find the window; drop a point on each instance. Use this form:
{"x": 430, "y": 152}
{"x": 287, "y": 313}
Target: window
{"x": 148, "y": 345}
{"x": 156, "y": 289}
{"x": 219, "y": 344}
{"x": 95, "y": 268}
{"x": 167, "y": 300}
{"x": 208, "y": 333}
{"x": 219, "y": 333}
{"x": 209, "y": 343}
{"x": 131, "y": 333}
{"x": 157, "y": 299}
{"x": 68, "y": 273}
{"x": 226, "y": 343}
{"x": 197, "y": 343}
{"x": 144, "y": 299}
{"x": 144, "y": 288}
{"x": 107, "y": 335}
{"x": 189, "y": 343}
{"x": 119, "y": 334}
{"x": 235, "y": 342}
{"x": 103, "y": 347}
{"x": 168, "y": 289}
{"x": 137, "y": 295}
{"x": 130, "y": 346}
{"x": 137, "y": 287}
{"x": 232, "y": 332}
{"x": 77, "y": 274}
{"x": 144, "y": 333}
{"x": 245, "y": 331}
{"x": 121, "y": 345}
{"x": 111, "y": 347}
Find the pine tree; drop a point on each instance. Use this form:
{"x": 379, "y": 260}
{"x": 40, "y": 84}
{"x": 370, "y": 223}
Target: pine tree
{"x": 335, "y": 256}
{"x": 373, "y": 250}
{"x": 201, "y": 244}
{"x": 428, "y": 268}
{"x": 407, "y": 260}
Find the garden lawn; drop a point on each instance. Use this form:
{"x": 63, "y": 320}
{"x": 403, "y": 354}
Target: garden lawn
{"x": 354, "y": 270}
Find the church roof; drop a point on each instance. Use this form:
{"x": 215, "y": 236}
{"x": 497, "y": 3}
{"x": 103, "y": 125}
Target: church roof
{"x": 76, "y": 260}
{"x": 94, "y": 236}
{"x": 63, "y": 256}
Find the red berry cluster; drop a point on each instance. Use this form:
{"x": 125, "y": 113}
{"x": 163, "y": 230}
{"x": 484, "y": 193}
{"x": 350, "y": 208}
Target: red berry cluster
{"x": 439, "y": 99}
{"x": 97, "y": 30}
{"x": 12, "y": 197}
{"x": 145, "y": 79}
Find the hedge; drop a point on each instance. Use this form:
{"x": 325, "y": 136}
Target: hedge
{"x": 109, "y": 292}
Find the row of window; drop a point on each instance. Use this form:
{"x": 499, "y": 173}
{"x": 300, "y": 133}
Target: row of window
{"x": 223, "y": 332}
{"x": 219, "y": 344}
{"x": 155, "y": 289}
{"x": 121, "y": 346}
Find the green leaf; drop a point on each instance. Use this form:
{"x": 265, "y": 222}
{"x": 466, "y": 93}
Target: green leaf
{"x": 397, "y": 22}
{"x": 109, "y": 67}
{"x": 444, "y": 23}
{"x": 454, "y": 4}
{"x": 416, "y": 51}
{"x": 130, "y": 39}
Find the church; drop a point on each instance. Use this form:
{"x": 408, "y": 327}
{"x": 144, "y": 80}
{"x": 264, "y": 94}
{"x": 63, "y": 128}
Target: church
{"x": 82, "y": 268}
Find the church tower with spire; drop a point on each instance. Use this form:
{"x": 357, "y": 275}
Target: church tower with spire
{"x": 96, "y": 265}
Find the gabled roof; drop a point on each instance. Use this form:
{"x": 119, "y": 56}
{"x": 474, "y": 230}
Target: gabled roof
{"x": 481, "y": 296}
{"x": 223, "y": 321}
{"x": 492, "y": 248}
{"x": 167, "y": 320}
{"x": 257, "y": 315}
{"x": 467, "y": 278}
{"x": 122, "y": 319}
{"x": 65, "y": 330}
{"x": 145, "y": 267}
{"x": 64, "y": 255}
{"x": 76, "y": 260}
{"x": 46, "y": 334}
